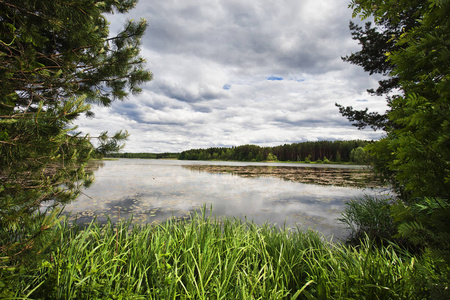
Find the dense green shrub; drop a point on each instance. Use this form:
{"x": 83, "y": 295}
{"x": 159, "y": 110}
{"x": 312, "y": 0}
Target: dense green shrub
{"x": 425, "y": 225}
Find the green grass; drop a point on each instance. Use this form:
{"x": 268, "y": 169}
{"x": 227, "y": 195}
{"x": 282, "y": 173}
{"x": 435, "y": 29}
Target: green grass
{"x": 205, "y": 258}
{"x": 369, "y": 216}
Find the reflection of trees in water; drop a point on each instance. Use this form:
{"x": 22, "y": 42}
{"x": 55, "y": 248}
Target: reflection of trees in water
{"x": 94, "y": 165}
{"x": 322, "y": 176}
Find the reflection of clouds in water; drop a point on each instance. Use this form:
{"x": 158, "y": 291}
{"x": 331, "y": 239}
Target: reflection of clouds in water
{"x": 154, "y": 190}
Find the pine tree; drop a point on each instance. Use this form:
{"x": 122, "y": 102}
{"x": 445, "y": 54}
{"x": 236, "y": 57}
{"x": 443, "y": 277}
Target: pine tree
{"x": 56, "y": 58}
{"x": 376, "y": 40}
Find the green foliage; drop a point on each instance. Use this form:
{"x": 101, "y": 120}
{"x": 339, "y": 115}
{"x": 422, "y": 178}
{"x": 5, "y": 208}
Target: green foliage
{"x": 55, "y": 49}
{"x": 417, "y": 146}
{"x": 42, "y": 165}
{"x": 56, "y": 57}
{"x": 369, "y": 216}
{"x": 220, "y": 259}
{"x": 359, "y": 156}
{"x": 421, "y": 147}
{"x": 333, "y": 150}
{"x": 271, "y": 157}
{"x": 376, "y": 40}
{"x": 143, "y": 155}
{"x": 109, "y": 144}
{"x": 308, "y": 159}
{"x": 424, "y": 223}
{"x": 415, "y": 154}
{"x": 363, "y": 118}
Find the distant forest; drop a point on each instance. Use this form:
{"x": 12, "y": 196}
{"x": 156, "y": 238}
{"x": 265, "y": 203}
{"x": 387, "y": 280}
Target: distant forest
{"x": 143, "y": 155}
{"x": 323, "y": 151}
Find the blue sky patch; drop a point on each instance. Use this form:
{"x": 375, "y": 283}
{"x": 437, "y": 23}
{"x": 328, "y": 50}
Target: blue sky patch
{"x": 227, "y": 86}
{"x": 273, "y": 78}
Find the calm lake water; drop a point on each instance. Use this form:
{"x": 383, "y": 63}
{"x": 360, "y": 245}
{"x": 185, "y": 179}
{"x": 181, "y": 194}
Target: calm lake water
{"x": 304, "y": 195}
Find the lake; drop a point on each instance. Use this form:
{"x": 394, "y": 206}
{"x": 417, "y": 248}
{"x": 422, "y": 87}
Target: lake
{"x": 304, "y": 195}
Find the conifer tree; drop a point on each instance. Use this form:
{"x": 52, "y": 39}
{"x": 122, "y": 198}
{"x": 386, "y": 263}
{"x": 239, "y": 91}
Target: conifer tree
{"x": 56, "y": 59}
{"x": 416, "y": 148}
{"x": 376, "y": 40}
{"x": 415, "y": 154}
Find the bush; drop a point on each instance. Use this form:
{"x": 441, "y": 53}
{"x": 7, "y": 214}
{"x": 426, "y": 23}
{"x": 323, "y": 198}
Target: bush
{"x": 424, "y": 223}
{"x": 359, "y": 156}
{"x": 308, "y": 159}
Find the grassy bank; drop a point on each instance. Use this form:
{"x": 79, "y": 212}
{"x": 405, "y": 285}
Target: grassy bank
{"x": 209, "y": 259}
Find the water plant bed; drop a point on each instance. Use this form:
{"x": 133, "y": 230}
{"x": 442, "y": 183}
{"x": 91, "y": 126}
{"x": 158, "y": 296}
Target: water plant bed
{"x": 363, "y": 177}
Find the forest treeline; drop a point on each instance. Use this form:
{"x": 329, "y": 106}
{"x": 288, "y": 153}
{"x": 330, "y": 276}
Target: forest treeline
{"x": 337, "y": 151}
{"x": 143, "y": 155}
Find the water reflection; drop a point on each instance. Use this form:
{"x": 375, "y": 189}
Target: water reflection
{"x": 154, "y": 190}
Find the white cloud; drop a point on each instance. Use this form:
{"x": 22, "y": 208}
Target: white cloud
{"x": 211, "y": 61}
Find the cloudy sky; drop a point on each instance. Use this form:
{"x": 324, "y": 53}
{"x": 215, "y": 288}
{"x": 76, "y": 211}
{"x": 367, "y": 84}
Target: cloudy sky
{"x": 234, "y": 72}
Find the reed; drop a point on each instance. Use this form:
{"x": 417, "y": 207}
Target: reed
{"x": 369, "y": 216}
{"x": 206, "y": 258}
